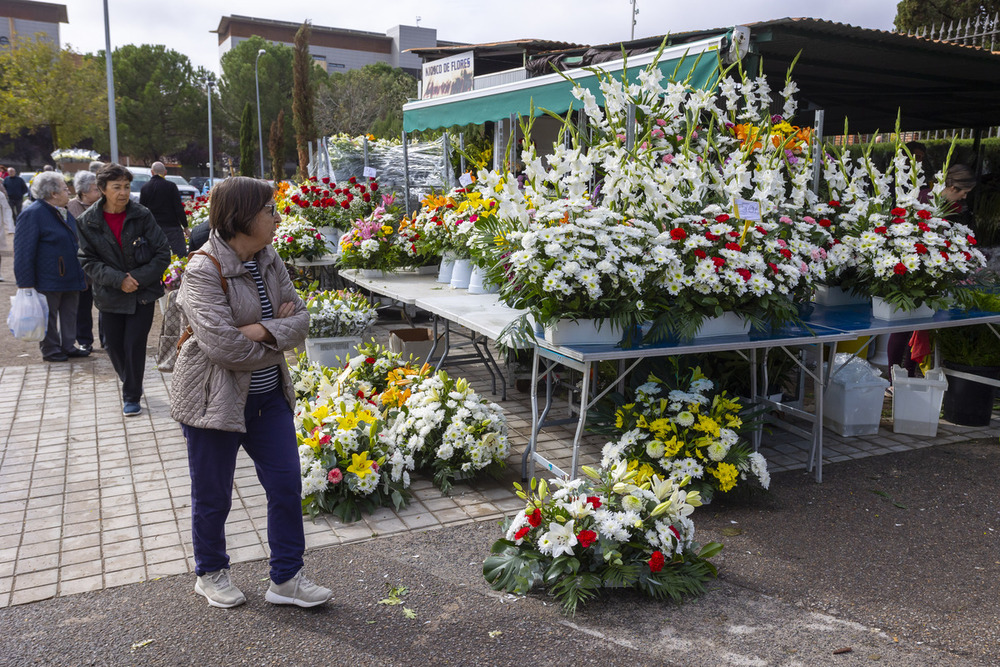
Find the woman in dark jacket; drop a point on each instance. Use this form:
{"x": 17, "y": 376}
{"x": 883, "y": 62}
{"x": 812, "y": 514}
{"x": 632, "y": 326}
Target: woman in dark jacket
{"x": 45, "y": 248}
{"x": 124, "y": 253}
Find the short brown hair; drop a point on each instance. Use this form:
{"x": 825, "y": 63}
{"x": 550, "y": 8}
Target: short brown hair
{"x": 235, "y": 202}
{"x": 960, "y": 176}
{"x": 112, "y": 172}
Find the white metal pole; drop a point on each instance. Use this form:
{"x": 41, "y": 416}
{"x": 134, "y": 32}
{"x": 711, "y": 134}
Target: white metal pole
{"x": 112, "y": 121}
{"x": 260, "y": 132}
{"x": 211, "y": 159}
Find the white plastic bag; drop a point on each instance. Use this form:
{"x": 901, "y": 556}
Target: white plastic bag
{"x": 29, "y": 315}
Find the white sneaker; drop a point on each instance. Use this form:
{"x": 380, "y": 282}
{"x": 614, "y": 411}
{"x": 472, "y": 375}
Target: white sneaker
{"x": 298, "y": 591}
{"x": 218, "y": 590}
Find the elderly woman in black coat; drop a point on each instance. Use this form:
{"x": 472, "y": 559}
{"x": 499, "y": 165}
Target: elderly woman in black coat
{"x": 124, "y": 253}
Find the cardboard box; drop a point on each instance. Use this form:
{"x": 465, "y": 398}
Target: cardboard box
{"x": 416, "y": 342}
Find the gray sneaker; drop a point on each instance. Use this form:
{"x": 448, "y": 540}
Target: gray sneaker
{"x": 298, "y": 591}
{"x": 218, "y": 590}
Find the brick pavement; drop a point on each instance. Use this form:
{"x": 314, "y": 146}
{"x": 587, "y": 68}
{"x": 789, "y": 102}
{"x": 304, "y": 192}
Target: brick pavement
{"x": 90, "y": 499}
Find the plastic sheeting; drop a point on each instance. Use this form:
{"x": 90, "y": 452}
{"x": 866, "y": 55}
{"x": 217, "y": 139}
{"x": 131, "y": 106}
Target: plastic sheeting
{"x": 428, "y": 168}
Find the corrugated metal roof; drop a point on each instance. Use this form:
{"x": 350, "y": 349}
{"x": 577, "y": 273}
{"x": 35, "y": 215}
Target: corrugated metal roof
{"x": 531, "y": 45}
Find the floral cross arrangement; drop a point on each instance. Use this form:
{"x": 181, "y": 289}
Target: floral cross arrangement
{"x": 605, "y": 529}
{"x": 339, "y": 313}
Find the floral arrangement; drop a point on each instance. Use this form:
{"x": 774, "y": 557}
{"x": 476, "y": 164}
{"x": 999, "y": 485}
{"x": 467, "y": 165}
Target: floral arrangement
{"x": 175, "y": 271}
{"x": 308, "y": 377}
{"x": 340, "y": 313}
{"x": 669, "y": 196}
{"x": 75, "y": 154}
{"x": 295, "y": 238}
{"x": 348, "y": 142}
{"x": 197, "y": 210}
{"x": 372, "y": 243}
{"x": 342, "y": 458}
{"x": 446, "y": 427}
{"x": 323, "y": 203}
{"x": 444, "y": 224}
{"x": 891, "y": 245}
{"x": 685, "y": 433}
{"x": 606, "y": 529}
{"x": 368, "y": 374}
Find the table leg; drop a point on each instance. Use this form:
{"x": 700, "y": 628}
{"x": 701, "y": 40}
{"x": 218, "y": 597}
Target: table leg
{"x": 581, "y": 423}
{"x": 756, "y": 434}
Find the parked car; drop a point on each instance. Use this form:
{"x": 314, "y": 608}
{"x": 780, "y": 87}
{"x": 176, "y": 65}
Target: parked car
{"x": 200, "y": 182}
{"x": 141, "y": 176}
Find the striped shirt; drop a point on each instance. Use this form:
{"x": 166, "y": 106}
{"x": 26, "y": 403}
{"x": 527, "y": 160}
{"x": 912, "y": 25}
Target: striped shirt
{"x": 265, "y": 379}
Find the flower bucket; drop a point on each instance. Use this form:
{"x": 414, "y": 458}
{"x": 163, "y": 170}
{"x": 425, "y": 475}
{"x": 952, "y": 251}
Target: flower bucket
{"x": 727, "y": 324}
{"x": 372, "y": 274}
{"x": 477, "y": 281}
{"x": 445, "y": 271}
{"x": 461, "y": 274}
{"x": 883, "y": 310}
{"x": 583, "y": 332}
{"x": 325, "y": 351}
{"x": 837, "y": 296}
{"x": 916, "y": 402}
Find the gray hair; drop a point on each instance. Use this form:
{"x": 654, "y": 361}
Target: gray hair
{"x": 46, "y": 184}
{"x": 83, "y": 181}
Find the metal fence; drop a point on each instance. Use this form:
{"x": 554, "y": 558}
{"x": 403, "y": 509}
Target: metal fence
{"x": 984, "y": 32}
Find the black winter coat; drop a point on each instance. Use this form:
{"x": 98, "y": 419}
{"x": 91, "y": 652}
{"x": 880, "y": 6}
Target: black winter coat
{"x": 106, "y": 263}
{"x": 163, "y": 200}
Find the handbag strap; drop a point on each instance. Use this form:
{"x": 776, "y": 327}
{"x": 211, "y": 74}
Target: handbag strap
{"x": 188, "y": 331}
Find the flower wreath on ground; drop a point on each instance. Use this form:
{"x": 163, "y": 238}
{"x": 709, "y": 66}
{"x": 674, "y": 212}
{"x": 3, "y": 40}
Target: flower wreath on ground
{"x": 687, "y": 432}
{"x": 603, "y": 530}
{"x": 339, "y": 313}
{"x": 448, "y": 429}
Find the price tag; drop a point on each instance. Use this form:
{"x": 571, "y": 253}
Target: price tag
{"x": 747, "y": 210}
{"x": 465, "y": 179}
{"x": 370, "y": 172}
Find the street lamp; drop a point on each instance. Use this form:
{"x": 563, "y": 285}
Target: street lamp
{"x": 209, "y": 82}
{"x": 260, "y": 133}
{"x": 112, "y": 121}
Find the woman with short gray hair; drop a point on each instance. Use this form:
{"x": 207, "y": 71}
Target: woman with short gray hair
{"x": 46, "y": 184}
{"x": 45, "y": 249}
{"x": 87, "y": 192}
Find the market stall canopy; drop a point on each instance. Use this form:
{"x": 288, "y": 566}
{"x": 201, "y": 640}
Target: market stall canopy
{"x": 864, "y": 75}
{"x": 868, "y": 75}
{"x": 552, "y": 92}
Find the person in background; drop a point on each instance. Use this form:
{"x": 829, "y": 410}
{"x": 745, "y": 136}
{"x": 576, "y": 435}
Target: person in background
{"x": 231, "y": 388}
{"x": 16, "y": 189}
{"x": 919, "y": 152}
{"x": 6, "y": 216}
{"x": 87, "y": 192}
{"x": 124, "y": 253}
{"x": 163, "y": 200}
{"x": 45, "y": 258}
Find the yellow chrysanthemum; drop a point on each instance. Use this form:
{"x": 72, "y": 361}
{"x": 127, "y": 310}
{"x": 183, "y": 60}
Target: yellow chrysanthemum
{"x": 726, "y": 473}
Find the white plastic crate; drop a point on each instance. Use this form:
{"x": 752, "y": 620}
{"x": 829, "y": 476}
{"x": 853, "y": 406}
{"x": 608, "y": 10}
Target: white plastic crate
{"x": 852, "y": 404}
{"x": 916, "y": 402}
{"x": 325, "y": 351}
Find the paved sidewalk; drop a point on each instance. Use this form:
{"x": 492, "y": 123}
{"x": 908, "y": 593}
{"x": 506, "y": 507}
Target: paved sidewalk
{"x": 92, "y": 500}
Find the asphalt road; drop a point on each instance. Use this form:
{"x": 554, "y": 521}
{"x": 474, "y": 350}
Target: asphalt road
{"x": 894, "y": 558}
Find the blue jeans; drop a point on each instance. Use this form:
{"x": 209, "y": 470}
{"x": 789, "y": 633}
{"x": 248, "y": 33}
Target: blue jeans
{"x": 270, "y": 442}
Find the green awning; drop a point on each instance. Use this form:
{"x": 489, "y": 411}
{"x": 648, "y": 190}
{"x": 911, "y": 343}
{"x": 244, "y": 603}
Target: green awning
{"x": 553, "y": 92}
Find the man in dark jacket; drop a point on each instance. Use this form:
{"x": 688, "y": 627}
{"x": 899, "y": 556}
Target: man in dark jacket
{"x": 163, "y": 200}
{"x": 16, "y": 189}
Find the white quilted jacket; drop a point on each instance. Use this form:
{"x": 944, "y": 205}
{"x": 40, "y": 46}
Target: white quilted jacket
{"x": 211, "y": 377}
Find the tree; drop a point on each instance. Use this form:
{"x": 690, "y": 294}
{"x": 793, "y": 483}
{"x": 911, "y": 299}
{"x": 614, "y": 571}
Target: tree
{"x": 43, "y": 87}
{"x": 246, "y": 141}
{"x": 914, "y": 14}
{"x": 160, "y": 106}
{"x": 275, "y": 144}
{"x": 366, "y": 100}
{"x": 303, "y": 97}
{"x": 237, "y": 87}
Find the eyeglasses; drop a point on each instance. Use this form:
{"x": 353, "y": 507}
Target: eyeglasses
{"x": 271, "y": 208}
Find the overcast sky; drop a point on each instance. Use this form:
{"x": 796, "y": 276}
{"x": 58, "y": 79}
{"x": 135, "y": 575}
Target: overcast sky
{"x": 185, "y": 25}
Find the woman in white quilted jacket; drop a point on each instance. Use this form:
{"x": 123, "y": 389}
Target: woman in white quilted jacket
{"x": 231, "y": 388}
